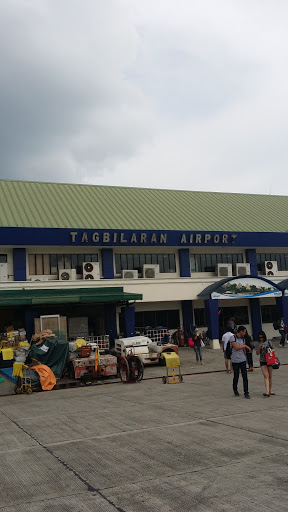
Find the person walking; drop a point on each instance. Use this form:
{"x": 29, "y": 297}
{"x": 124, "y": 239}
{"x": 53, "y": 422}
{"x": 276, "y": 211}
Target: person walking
{"x": 249, "y": 354}
{"x": 282, "y": 331}
{"x": 231, "y": 324}
{"x": 227, "y": 357}
{"x": 267, "y": 370}
{"x": 238, "y": 358}
{"x": 197, "y": 338}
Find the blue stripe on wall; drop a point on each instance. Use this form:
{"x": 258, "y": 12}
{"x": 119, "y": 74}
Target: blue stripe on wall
{"x": 19, "y": 264}
{"x": 129, "y": 238}
{"x": 107, "y": 263}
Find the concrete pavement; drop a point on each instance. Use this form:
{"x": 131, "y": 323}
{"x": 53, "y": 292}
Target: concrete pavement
{"x": 147, "y": 447}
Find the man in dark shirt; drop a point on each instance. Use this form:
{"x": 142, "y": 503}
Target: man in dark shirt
{"x": 238, "y": 358}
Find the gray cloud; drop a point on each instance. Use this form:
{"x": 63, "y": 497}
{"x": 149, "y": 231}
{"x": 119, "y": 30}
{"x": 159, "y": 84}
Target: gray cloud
{"x": 156, "y": 93}
{"x": 64, "y": 101}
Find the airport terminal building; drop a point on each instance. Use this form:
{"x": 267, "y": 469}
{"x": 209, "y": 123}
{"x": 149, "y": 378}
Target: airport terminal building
{"x": 127, "y": 258}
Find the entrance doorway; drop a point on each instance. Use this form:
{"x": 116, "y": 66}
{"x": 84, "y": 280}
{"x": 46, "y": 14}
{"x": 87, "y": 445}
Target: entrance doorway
{"x": 240, "y": 313}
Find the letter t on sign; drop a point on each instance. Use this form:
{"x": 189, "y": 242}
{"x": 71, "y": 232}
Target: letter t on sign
{"x": 73, "y": 236}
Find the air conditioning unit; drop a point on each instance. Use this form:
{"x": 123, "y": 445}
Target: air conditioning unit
{"x": 3, "y": 272}
{"x": 39, "y": 278}
{"x": 151, "y": 271}
{"x": 129, "y": 274}
{"x": 67, "y": 274}
{"x": 271, "y": 268}
{"x": 224, "y": 269}
{"x": 91, "y": 270}
{"x": 243, "y": 269}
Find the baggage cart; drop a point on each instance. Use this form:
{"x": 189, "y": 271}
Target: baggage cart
{"x": 173, "y": 370}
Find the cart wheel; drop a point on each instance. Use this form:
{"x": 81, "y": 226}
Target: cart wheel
{"x": 29, "y": 391}
{"x": 136, "y": 368}
{"x": 124, "y": 370}
{"x": 164, "y": 380}
{"x": 18, "y": 391}
{"x": 181, "y": 378}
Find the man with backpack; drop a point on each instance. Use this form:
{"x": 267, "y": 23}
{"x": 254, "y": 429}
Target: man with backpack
{"x": 227, "y": 353}
{"x": 238, "y": 357}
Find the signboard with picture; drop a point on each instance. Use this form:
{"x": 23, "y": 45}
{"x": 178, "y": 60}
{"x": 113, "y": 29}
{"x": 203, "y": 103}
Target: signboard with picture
{"x": 246, "y": 287}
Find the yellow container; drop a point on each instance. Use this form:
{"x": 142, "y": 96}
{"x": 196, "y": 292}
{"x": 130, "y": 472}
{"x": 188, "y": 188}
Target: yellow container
{"x": 171, "y": 358}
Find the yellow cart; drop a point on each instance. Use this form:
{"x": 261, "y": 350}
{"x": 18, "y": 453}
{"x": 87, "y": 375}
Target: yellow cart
{"x": 173, "y": 371}
{"x": 23, "y": 380}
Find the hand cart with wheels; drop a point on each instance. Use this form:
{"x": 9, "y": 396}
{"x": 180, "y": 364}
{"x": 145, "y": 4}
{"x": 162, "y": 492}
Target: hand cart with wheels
{"x": 173, "y": 370}
{"x": 23, "y": 380}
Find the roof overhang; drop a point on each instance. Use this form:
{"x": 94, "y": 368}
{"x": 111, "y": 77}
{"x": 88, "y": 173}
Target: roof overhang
{"x": 28, "y": 297}
{"x": 284, "y": 286}
{"x": 241, "y": 287}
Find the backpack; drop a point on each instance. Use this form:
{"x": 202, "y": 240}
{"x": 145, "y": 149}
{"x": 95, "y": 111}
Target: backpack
{"x": 191, "y": 343}
{"x": 228, "y": 349}
{"x": 276, "y": 325}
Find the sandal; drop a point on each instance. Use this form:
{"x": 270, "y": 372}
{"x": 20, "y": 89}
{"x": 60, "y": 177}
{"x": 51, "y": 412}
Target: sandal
{"x": 272, "y": 393}
{"x": 266, "y": 394}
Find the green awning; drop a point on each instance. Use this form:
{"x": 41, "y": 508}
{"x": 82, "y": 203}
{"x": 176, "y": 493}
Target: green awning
{"x": 27, "y": 297}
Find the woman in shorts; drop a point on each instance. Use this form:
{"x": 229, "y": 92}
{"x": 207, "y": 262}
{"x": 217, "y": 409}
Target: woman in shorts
{"x": 267, "y": 370}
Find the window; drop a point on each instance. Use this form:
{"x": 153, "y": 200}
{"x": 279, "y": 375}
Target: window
{"x": 50, "y": 264}
{"x": 208, "y": 262}
{"x": 166, "y": 318}
{"x": 166, "y": 262}
{"x": 269, "y": 314}
{"x": 240, "y": 313}
{"x": 281, "y": 258}
{"x": 200, "y": 317}
{"x": 3, "y": 258}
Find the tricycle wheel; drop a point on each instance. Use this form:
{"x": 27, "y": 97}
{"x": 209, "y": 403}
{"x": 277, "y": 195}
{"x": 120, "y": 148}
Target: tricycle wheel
{"x": 29, "y": 391}
{"x": 164, "y": 380}
{"x": 136, "y": 368}
{"x": 124, "y": 370}
{"x": 18, "y": 391}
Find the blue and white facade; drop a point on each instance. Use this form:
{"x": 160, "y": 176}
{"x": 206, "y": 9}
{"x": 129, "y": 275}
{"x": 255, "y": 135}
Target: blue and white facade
{"x": 186, "y": 265}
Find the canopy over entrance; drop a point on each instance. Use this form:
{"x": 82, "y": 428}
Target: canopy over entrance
{"x": 284, "y": 286}
{"x": 66, "y": 296}
{"x": 241, "y": 287}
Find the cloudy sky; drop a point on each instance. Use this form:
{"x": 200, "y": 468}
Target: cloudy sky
{"x": 182, "y": 94}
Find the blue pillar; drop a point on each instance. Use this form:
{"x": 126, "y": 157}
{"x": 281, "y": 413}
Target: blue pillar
{"x": 282, "y": 303}
{"x": 29, "y": 323}
{"x": 256, "y": 319}
{"x": 19, "y": 264}
{"x": 111, "y": 324}
{"x": 252, "y": 259}
{"x": 187, "y": 315}
{"x": 211, "y": 310}
{"x": 129, "y": 316}
{"x": 107, "y": 263}
{"x": 184, "y": 262}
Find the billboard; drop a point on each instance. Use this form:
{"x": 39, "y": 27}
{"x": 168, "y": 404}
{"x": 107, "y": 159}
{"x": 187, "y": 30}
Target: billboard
{"x": 245, "y": 288}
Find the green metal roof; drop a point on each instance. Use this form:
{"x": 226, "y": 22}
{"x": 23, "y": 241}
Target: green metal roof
{"x": 68, "y": 296}
{"x": 57, "y": 205}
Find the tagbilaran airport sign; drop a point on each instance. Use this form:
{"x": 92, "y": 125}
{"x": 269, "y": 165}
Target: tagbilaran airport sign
{"x": 138, "y": 238}
{"x": 245, "y": 288}
{"x": 151, "y": 238}
{"x": 174, "y": 238}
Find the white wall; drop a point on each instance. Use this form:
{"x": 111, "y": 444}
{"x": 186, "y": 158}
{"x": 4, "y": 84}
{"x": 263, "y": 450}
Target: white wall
{"x": 166, "y": 292}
